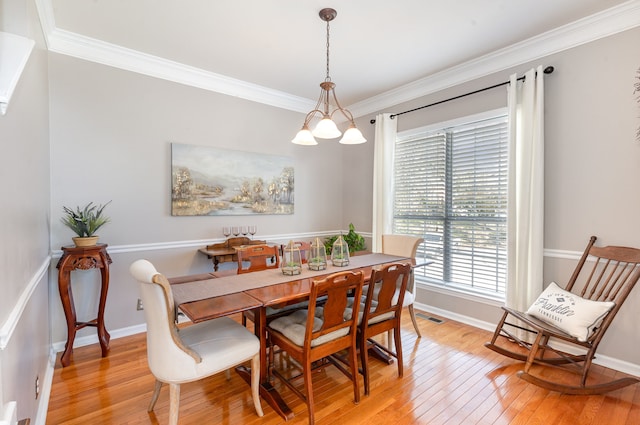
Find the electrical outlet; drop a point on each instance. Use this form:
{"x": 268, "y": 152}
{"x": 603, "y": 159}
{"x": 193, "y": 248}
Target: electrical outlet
{"x": 139, "y": 305}
{"x": 37, "y": 386}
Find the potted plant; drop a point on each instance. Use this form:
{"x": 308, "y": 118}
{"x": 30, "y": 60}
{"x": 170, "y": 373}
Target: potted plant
{"x": 355, "y": 241}
{"x": 85, "y": 222}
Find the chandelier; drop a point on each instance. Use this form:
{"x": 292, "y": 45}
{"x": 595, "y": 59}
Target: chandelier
{"x": 326, "y": 128}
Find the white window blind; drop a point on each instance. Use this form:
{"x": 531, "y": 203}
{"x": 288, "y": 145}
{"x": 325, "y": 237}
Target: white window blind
{"x": 451, "y": 189}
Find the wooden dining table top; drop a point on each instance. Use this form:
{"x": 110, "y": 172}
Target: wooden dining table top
{"x": 220, "y": 296}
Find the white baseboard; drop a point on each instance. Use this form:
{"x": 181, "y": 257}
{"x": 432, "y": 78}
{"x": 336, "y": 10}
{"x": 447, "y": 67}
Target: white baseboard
{"x": 602, "y": 360}
{"x": 93, "y": 339}
{"x": 45, "y": 392}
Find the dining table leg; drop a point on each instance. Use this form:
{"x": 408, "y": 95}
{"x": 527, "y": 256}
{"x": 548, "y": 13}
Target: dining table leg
{"x": 267, "y": 391}
{"x": 379, "y": 354}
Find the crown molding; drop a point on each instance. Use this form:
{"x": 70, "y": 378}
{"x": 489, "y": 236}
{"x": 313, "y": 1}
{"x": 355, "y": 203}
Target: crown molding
{"x": 47, "y": 20}
{"x": 606, "y": 23}
{"x": 594, "y": 27}
{"x": 91, "y": 49}
{"x": 15, "y": 54}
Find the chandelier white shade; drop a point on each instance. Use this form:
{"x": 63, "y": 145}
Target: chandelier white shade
{"x": 326, "y": 128}
{"x": 304, "y": 137}
{"x": 352, "y": 136}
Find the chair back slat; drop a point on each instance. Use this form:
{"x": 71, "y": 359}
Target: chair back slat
{"x": 387, "y": 288}
{"x": 627, "y": 270}
{"x": 614, "y": 283}
{"x": 337, "y": 288}
{"x": 259, "y": 257}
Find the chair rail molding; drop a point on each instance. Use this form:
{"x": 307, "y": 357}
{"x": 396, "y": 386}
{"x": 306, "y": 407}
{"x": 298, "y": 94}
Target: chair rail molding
{"x": 9, "y": 326}
{"x": 199, "y": 243}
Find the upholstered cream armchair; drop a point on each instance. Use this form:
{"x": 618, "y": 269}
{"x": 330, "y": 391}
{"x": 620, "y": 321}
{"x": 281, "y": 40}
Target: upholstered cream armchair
{"x": 193, "y": 352}
{"x": 405, "y": 246}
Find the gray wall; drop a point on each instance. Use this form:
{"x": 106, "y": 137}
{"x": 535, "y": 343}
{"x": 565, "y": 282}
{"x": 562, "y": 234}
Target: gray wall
{"x": 592, "y": 163}
{"x": 24, "y": 221}
{"x": 110, "y": 140}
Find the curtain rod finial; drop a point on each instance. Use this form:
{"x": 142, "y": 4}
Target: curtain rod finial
{"x": 549, "y": 70}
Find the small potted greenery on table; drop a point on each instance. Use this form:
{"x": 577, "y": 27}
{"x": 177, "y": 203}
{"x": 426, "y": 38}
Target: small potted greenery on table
{"x": 85, "y": 222}
{"x": 355, "y": 241}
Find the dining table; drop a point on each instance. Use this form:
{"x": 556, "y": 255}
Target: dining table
{"x": 225, "y": 294}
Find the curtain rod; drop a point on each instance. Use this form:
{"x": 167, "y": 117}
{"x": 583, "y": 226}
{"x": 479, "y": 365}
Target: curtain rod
{"x": 547, "y": 70}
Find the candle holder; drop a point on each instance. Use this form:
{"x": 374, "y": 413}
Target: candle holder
{"x": 317, "y": 256}
{"x": 340, "y": 253}
{"x": 291, "y": 260}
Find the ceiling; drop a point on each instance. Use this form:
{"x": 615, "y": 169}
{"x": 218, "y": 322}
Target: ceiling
{"x": 377, "y": 46}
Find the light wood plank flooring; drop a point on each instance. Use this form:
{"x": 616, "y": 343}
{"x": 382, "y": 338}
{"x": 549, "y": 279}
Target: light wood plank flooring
{"x": 449, "y": 378}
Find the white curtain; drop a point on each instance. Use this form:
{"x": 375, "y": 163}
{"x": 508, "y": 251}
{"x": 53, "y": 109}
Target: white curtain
{"x": 385, "y": 139}
{"x": 525, "y": 244}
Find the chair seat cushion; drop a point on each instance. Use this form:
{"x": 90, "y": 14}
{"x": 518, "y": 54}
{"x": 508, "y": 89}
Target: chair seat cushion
{"x": 221, "y": 343}
{"x": 293, "y": 327}
{"x": 374, "y": 304}
{"x": 409, "y": 297}
{"x": 273, "y": 311}
{"x": 569, "y": 312}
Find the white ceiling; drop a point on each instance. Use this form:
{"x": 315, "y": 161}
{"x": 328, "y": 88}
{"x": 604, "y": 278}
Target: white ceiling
{"x": 376, "y": 46}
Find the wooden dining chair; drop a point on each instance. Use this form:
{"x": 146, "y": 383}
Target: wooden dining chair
{"x": 190, "y": 353}
{"x": 405, "y": 246}
{"x": 577, "y": 316}
{"x": 381, "y": 313}
{"x": 252, "y": 258}
{"x": 312, "y": 336}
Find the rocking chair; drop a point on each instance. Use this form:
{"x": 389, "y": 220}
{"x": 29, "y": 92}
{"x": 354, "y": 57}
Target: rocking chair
{"x": 605, "y": 285}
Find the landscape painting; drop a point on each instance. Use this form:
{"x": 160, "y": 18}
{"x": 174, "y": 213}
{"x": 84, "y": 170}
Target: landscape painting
{"x": 213, "y": 181}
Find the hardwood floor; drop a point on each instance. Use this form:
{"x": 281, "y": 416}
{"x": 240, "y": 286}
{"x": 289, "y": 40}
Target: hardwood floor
{"x": 449, "y": 378}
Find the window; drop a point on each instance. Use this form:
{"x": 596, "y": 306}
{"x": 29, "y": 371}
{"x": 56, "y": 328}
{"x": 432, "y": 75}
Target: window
{"x": 450, "y": 185}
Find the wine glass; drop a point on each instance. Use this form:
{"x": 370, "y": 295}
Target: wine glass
{"x": 226, "y": 231}
{"x": 252, "y": 230}
{"x": 235, "y": 230}
{"x": 243, "y": 230}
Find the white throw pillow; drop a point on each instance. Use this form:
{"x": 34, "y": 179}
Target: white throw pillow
{"x": 575, "y": 315}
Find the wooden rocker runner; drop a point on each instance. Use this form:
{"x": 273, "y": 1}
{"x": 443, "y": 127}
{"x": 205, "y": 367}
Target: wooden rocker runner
{"x": 604, "y": 286}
